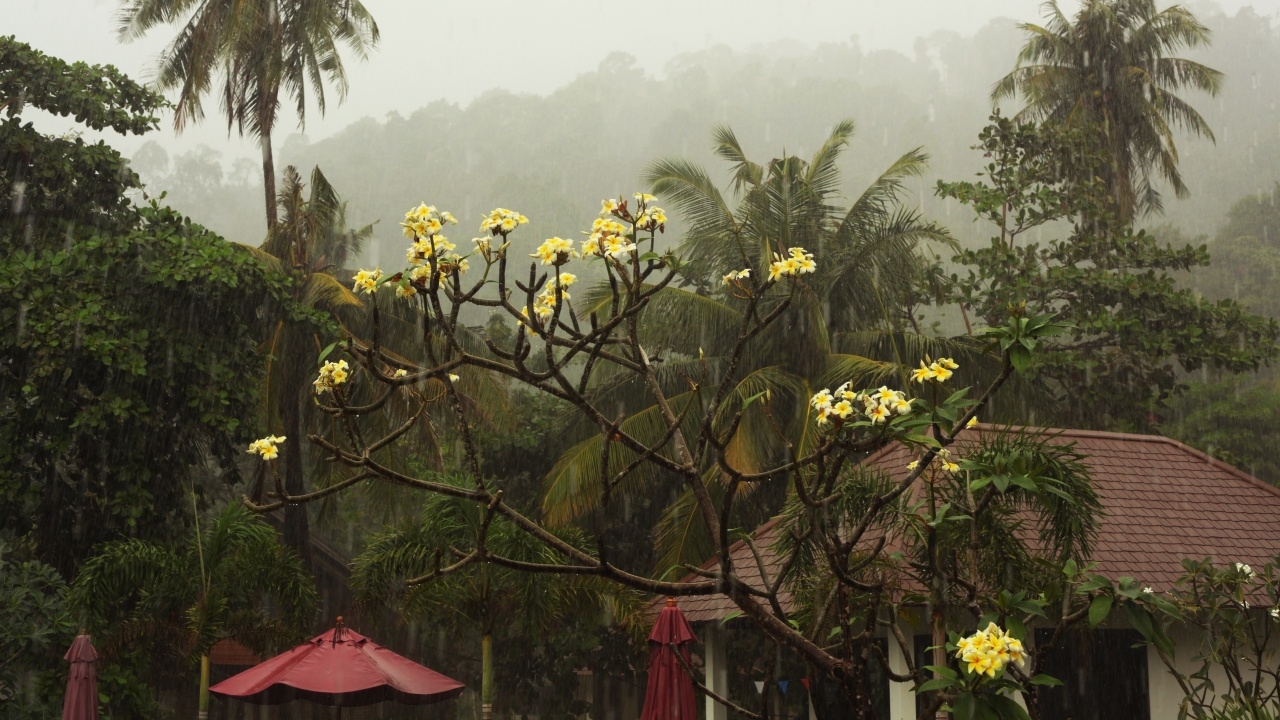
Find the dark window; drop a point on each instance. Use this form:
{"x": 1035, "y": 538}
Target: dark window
{"x": 924, "y": 656}
{"x": 1104, "y": 675}
{"x": 830, "y": 702}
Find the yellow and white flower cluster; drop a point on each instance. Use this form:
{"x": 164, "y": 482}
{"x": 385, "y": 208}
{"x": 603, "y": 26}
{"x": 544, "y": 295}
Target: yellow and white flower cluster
{"x": 987, "y": 652}
{"x": 425, "y": 221}
{"x": 939, "y": 371}
{"x": 797, "y": 263}
{"x": 544, "y": 305}
{"x": 608, "y": 238}
{"x": 502, "y": 221}
{"x": 366, "y": 281}
{"x": 266, "y": 447}
{"x": 555, "y": 251}
{"x": 332, "y": 374}
{"x": 877, "y": 405}
{"x": 736, "y": 277}
{"x": 653, "y": 218}
{"x": 423, "y": 248}
{"x": 944, "y": 459}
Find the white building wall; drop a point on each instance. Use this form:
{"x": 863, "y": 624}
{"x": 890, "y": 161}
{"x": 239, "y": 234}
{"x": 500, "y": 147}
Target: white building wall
{"x": 717, "y": 672}
{"x": 902, "y": 701}
{"x": 1163, "y": 691}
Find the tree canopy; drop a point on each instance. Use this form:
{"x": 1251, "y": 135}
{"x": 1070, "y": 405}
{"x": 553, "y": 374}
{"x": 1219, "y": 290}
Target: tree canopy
{"x": 128, "y": 332}
{"x": 1110, "y": 69}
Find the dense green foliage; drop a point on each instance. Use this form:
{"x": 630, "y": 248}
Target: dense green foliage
{"x": 534, "y": 630}
{"x": 1135, "y": 331}
{"x": 1246, "y": 255}
{"x": 1235, "y": 419}
{"x": 127, "y": 332}
{"x": 160, "y": 607}
{"x": 33, "y": 627}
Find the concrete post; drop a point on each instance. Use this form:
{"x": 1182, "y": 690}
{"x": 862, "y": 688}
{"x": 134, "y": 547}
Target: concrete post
{"x": 713, "y": 640}
{"x": 902, "y": 701}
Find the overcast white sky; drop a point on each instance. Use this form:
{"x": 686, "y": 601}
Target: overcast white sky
{"x": 457, "y": 49}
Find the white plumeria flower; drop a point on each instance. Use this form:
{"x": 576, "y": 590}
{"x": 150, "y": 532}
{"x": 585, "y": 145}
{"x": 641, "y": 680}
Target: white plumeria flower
{"x": 502, "y": 221}
{"x": 1148, "y": 590}
{"x": 266, "y": 447}
{"x": 555, "y": 251}
{"x": 453, "y": 377}
{"x": 366, "y": 280}
{"x": 331, "y": 375}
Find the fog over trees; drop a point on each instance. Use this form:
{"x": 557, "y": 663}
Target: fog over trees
{"x": 599, "y": 131}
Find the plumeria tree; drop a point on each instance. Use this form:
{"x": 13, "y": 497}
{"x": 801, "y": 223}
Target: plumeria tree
{"x": 1236, "y": 611}
{"x": 842, "y": 513}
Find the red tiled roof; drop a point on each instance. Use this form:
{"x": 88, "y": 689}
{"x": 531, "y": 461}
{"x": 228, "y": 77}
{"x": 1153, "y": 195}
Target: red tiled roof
{"x": 700, "y": 608}
{"x": 230, "y": 652}
{"x": 1162, "y": 502}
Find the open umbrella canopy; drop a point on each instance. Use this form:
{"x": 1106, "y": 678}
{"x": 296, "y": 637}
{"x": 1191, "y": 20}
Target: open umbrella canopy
{"x": 339, "y": 668}
{"x": 669, "y": 692}
{"x": 81, "y": 700}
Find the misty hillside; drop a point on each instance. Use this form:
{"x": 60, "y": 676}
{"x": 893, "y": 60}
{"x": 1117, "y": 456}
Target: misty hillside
{"x": 553, "y": 156}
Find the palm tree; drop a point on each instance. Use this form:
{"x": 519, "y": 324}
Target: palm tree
{"x": 843, "y": 325}
{"x": 309, "y": 246}
{"x": 493, "y": 599}
{"x": 256, "y": 49}
{"x": 1111, "y": 71}
{"x": 174, "y": 603}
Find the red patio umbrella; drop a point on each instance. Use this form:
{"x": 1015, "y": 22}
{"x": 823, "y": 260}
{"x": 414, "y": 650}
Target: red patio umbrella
{"x": 339, "y": 668}
{"x": 81, "y": 701}
{"x": 669, "y": 693}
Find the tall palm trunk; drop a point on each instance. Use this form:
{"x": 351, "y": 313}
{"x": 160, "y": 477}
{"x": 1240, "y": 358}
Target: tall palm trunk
{"x": 297, "y": 532}
{"x": 268, "y": 178}
{"x": 486, "y": 675}
{"x": 204, "y": 688}
{"x": 266, "y": 123}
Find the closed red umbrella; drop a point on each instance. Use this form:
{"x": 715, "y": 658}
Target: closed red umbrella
{"x": 339, "y": 668}
{"x": 669, "y": 693}
{"x": 81, "y": 701}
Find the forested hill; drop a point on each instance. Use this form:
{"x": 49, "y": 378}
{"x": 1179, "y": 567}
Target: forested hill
{"x": 552, "y": 157}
